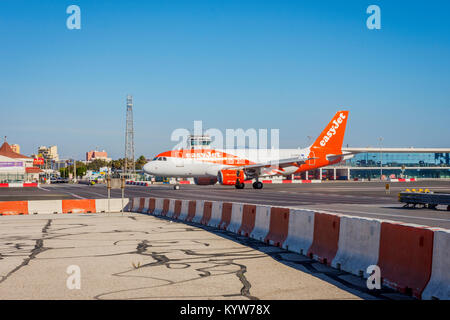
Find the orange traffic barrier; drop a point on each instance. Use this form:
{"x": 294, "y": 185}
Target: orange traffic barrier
{"x": 226, "y": 215}
{"x": 278, "y": 227}
{"x": 166, "y": 205}
{"x": 177, "y": 209}
{"x": 151, "y": 205}
{"x": 12, "y": 208}
{"x": 405, "y": 257}
{"x": 248, "y": 220}
{"x": 191, "y": 210}
{"x": 78, "y": 206}
{"x": 207, "y": 209}
{"x": 326, "y": 237}
{"x": 141, "y": 205}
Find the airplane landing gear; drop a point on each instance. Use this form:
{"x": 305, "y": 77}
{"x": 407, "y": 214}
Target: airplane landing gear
{"x": 239, "y": 185}
{"x": 257, "y": 185}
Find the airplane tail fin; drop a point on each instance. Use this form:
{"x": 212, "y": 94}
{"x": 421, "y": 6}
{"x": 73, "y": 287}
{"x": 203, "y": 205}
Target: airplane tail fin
{"x": 331, "y": 139}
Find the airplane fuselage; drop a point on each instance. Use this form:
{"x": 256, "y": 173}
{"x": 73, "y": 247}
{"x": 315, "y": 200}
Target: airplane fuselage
{"x": 198, "y": 163}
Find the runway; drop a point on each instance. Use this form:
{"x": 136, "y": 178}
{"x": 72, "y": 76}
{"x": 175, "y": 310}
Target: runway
{"x": 366, "y": 199}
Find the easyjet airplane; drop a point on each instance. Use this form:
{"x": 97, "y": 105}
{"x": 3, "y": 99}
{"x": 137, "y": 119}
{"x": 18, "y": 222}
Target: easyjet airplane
{"x": 234, "y": 166}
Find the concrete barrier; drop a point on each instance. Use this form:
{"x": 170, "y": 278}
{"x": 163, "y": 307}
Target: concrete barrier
{"x": 359, "y": 243}
{"x": 300, "y": 232}
{"x": 216, "y": 214}
{"x": 135, "y": 204}
{"x": 171, "y": 210}
{"x": 326, "y": 237}
{"x": 439, "y": 285}
{"x": 159, "y": 206}
{"x": 79, "y": 206}
{"x": 184, "y": 210}
{"x": 248, "y": 220}
{"x": 11, "y": 208}
{"x": 405, "y": 257}
{"x": 278, "y": 227}
{"x": 197, "y": 218}
{"x": 262, "y": 222}
{"x": 146, "y": 205}
{"x": 46, "y": 206}
{"x": 227, "y": 209}
{"x": 236, "y": 217}
{"x": 176, "y": 208}
{"x": 141, "y": 205}
{"x": 66, "y": 206}
{"x": 192, "y": 210}
{"x": 151, "y": 206}
{"x": 207, "y": 212}
{"x": 165, "y": 207}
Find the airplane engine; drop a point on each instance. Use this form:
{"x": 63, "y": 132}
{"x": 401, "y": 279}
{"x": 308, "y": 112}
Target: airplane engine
{"x": 205, "y": 181}
{"x": 229, "y": 177}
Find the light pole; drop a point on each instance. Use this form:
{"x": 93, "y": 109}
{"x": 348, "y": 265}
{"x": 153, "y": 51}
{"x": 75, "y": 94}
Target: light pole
{"x": 74, "y": 170}
{"x": 381, "y": 160}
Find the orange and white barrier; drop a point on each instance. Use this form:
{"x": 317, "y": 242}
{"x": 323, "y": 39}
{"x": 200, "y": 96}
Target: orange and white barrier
{"x": 403, "y": 180}
{"x": 62, "y": 206}
{"x": 408, "y": 258}
{"x": 19, "y": 185}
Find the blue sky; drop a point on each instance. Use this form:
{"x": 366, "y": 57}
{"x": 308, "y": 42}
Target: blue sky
{"x": 233, "y": 64}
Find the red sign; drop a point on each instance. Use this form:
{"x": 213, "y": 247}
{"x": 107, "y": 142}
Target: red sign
{"x": 38, "y": 161}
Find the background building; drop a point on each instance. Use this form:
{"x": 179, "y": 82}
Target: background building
{"x": 373, "y": 163}
{"x": 49, "y": 153}
{"x": 15, "y": 167}
{"x": 94, "y": 155}
{"x": 15, "y": 148}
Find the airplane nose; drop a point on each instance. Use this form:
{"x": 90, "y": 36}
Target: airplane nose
{"x": 148, "y": 168}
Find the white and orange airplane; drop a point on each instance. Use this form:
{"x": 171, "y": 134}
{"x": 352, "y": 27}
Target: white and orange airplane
{"x": 234, "y": 166}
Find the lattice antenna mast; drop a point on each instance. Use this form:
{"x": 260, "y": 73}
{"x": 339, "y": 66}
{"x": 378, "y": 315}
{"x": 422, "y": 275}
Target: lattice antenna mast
{"x": 129, "y": 166}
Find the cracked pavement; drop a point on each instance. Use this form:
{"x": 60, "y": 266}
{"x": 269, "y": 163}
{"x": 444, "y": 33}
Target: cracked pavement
{"x": 136, "y": 256}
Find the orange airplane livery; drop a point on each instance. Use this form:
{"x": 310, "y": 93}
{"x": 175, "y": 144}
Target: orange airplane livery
{"x": 234, "y": 166}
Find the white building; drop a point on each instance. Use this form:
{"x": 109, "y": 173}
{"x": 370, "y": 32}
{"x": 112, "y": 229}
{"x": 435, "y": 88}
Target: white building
{"x": 15, "y": 167}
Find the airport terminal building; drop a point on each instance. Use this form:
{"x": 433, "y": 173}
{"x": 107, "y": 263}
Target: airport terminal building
{"x": 394, "y": 163}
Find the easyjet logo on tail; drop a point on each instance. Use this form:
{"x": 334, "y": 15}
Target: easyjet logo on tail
{"x": 334, "y": 127}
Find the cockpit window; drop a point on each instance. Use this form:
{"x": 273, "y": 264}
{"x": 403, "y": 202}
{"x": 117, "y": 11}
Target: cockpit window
{"x": 154, "y": 159}
{"x": 164, "y": 159}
